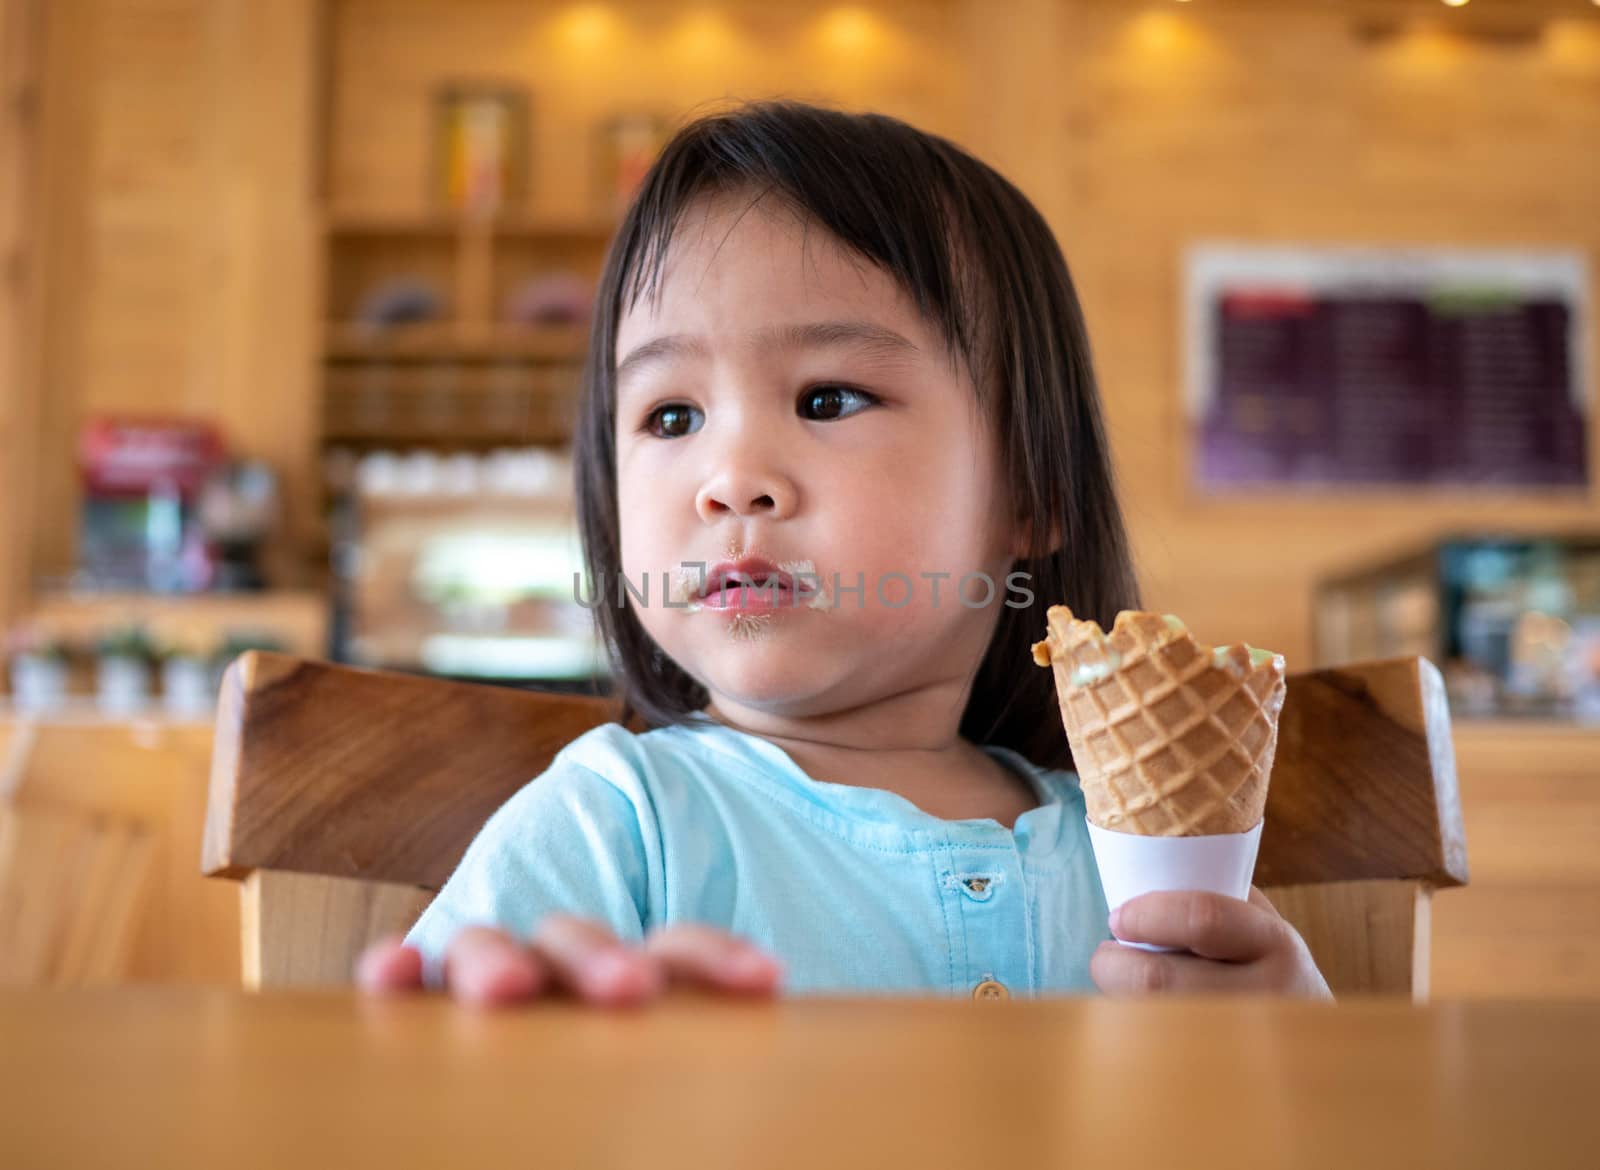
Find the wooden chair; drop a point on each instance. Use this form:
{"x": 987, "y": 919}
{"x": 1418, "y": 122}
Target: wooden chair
{"x": 72, "y": 888}
{"x": 344, "y": 798}
{"x": 124, "y": 780}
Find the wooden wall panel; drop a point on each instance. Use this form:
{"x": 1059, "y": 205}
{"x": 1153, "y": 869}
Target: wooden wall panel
{"x": 59, "y": 269}
{"x": 149, "y": 203}
{"x": 182, "y": 261}
{"x": 119, "y": 330}
{"x": 256, "y": 266}
{"x": 1528, "y": 924}
{"x": 22, "y": 48}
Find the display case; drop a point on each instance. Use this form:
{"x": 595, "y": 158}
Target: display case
{"x": 1513, "y": 621}
{"x": 464, "y": 567}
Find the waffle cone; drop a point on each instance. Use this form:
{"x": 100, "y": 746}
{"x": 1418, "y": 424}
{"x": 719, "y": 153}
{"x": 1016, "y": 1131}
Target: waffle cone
{"x": 1170, "y": 738}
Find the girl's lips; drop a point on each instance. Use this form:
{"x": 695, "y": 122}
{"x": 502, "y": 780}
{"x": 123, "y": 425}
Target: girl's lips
{"x": 768, "y": 588}
{"x": 749, "y": 598}
{"x": 754, "y": 571}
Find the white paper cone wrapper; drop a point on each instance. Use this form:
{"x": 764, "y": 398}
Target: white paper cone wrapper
{"x": 1131, "y": 865}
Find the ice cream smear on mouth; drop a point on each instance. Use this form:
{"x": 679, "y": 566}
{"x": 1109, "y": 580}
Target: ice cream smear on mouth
{"x": 798, "y": 587}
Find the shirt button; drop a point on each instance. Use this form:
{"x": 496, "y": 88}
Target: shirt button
{"x": 991, "y": 989}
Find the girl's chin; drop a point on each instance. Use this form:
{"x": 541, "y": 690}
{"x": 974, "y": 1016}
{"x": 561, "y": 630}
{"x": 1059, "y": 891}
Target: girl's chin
{"x": 774, "y": 706}
{"x": 773, "y": 686}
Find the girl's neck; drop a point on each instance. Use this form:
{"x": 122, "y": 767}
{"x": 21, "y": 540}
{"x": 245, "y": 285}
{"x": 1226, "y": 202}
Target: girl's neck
{"x": 925, "y": 760}
{"x": 918, "y": 724}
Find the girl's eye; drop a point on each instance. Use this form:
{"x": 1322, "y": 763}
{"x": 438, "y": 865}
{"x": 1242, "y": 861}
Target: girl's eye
{"x": 675, "y": 421}
{"x": 831, "y": 402}
{"x": 821, "y": 403}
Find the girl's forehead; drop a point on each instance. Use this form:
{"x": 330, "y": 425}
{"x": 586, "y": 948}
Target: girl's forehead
{"x": 733, "y": 260}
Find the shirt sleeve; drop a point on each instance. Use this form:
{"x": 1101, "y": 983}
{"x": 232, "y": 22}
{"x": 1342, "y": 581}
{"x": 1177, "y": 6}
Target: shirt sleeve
{"x": 568, "y": 842}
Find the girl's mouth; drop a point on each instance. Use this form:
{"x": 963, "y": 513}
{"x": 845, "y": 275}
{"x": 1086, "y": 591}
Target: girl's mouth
{"x": 772, "y": 594}
{"x": 755, "y": 586}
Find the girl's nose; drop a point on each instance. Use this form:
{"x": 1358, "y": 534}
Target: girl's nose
{"x": 746, "y": 491}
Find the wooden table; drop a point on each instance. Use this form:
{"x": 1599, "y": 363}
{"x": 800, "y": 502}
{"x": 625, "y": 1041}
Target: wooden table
{"x": 174, "y": 1077}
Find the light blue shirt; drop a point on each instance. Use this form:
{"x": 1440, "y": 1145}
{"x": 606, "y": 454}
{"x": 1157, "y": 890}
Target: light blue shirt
{"x": 855, "y": 890}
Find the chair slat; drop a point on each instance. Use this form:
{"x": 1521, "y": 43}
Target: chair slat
{"x": 301, "y": 930}
{"x": 369, "y": 774}
{"x": 1368, "y": 938}
{"x": 1364, "y": 783}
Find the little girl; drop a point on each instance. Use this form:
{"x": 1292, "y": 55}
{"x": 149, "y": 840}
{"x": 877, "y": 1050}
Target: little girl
{"x": 840, "y": 446}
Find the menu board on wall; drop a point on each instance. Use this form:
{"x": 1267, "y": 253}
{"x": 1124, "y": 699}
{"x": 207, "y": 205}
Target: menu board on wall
{"x": 1344, "y": 367}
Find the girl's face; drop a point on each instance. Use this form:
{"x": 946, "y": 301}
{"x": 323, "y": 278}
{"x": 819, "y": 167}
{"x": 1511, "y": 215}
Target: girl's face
{"x": 786, "y": 401}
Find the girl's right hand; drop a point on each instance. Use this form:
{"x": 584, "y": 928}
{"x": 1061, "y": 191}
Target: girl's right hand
{"x": 576, "y": 957}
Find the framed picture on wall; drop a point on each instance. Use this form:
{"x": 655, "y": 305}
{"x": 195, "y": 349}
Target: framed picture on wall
{"x": 625, "y": 146}
{"x": 482, "y": 147}
{"x": 1350, "y": 368}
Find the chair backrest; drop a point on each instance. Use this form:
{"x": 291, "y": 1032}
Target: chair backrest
{"x": 343, "y": 799}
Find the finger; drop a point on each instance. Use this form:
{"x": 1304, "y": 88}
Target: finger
{"x": 389, "y": 965}
{"x": 1121, "y": 971}
{"x": 1257, "y": 898}
{"x": 704, "y": 956}
{"x": 1213, "y": 926}
{"x": 588, "y": 959}
{"x": 487, "y": 966}
{"x": 1308, "y": 979}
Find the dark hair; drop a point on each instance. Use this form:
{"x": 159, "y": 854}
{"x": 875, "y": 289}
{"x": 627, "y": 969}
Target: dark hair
{"x": 981, "y": 264}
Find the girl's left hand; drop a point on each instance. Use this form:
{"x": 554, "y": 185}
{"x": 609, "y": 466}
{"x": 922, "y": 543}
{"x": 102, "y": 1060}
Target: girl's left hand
{"x": 1233, "y": 947}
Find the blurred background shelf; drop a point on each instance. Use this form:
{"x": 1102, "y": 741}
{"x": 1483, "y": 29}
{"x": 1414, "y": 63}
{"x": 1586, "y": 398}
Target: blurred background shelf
{"x": 444, "y": 404}
{"x": 450, "y": 332}
{"x": 298, "y": 618}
